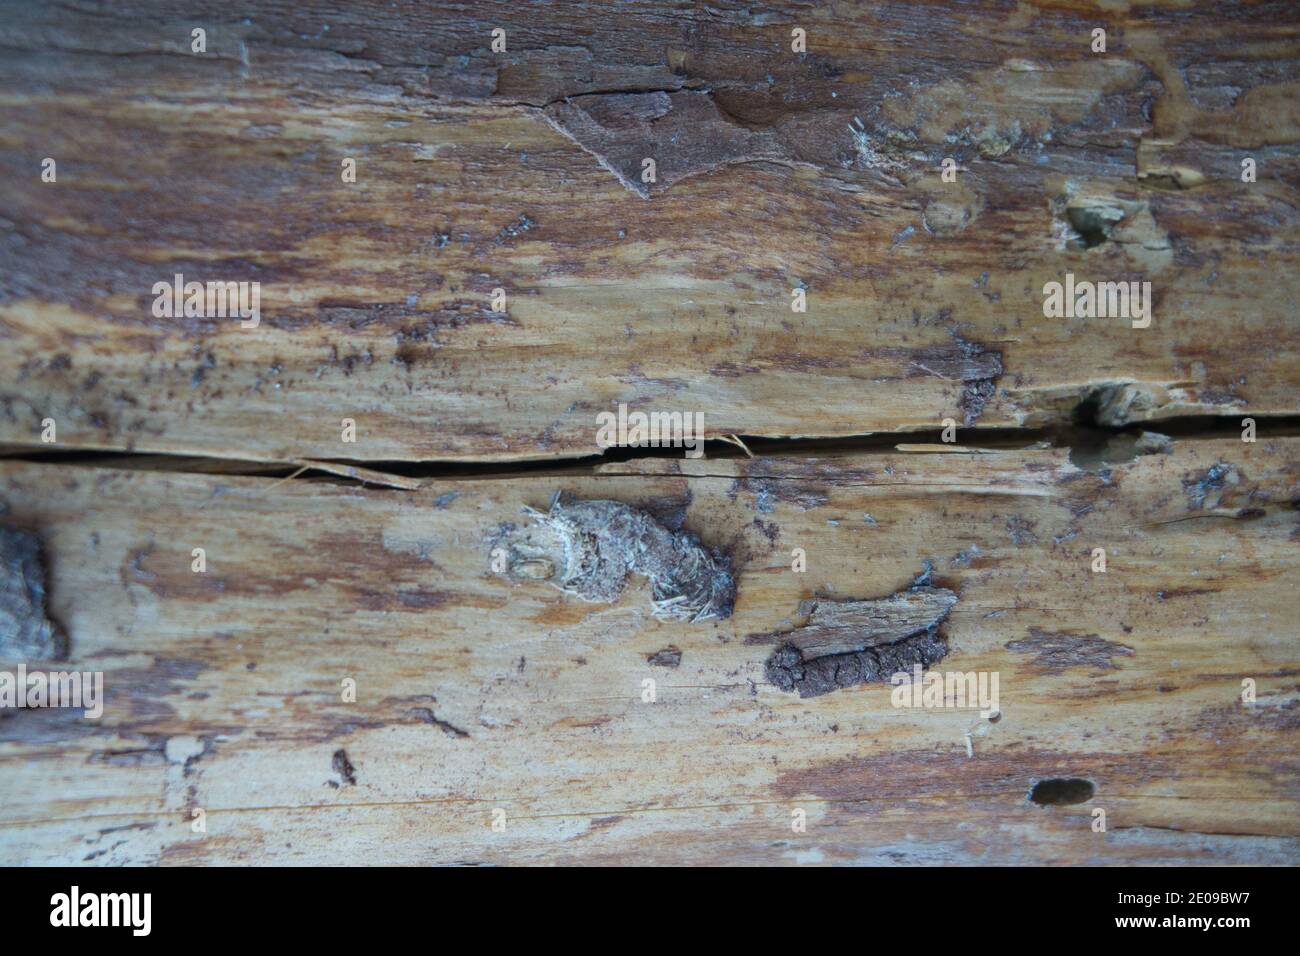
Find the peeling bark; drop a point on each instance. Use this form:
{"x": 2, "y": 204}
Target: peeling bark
{"x": 846, "y": 643}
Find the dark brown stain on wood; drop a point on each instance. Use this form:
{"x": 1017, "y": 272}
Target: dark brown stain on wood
{"x": 427, "y": 715}
{"x": 667, "y": 657}
{"x": 343, "y": 767}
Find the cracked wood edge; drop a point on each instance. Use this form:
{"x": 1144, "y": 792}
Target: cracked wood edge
{"x": 224, "y": 687}
{"x": 924, "y": 297}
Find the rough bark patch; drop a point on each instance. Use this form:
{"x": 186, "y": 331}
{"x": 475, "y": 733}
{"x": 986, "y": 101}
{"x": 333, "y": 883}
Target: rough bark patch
{"x": 846, "y": 643}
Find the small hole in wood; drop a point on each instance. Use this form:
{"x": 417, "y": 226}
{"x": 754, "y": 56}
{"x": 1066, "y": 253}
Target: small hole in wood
{"x": 1062, "y": 791}
{"x": 1091, "y": 226}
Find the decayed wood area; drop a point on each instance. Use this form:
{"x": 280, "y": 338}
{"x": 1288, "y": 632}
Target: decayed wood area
{"x": 481, "y": 690}
{"x": 474, "y": 693}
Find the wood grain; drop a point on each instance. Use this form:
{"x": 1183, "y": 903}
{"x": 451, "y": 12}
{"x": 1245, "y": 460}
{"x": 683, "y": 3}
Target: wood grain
{"x": 479, "y": 171}
{"x": 224, "y": 688}
{"x": 778, "y": 173}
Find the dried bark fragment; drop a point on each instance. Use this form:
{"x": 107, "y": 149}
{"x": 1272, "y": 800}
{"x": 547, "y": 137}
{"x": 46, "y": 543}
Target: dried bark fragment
{"x": 25, "y": 632}
{"x": 588, "y": 548}
{"x": 846, "y": 643}
{"x": 670, "y": 656}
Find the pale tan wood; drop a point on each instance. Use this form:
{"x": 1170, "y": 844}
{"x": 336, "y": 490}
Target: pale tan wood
{"x": 312, "y": 581}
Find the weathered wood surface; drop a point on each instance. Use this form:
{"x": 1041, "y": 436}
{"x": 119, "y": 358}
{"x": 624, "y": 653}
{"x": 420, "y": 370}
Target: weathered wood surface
{"x": 776, "y": 171}
{"x": 478, "y": 171}
{"x": 474, "y": 694}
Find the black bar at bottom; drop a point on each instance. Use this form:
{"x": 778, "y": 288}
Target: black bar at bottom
{"x": 215, "y": 905}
